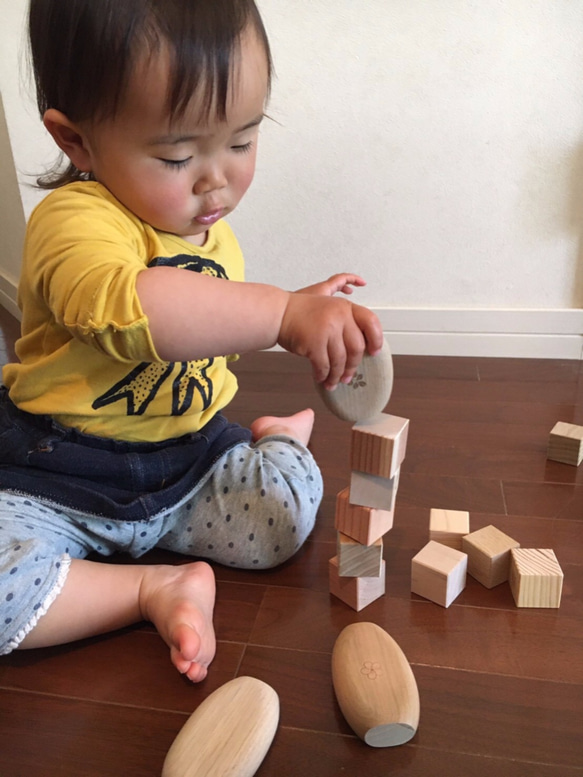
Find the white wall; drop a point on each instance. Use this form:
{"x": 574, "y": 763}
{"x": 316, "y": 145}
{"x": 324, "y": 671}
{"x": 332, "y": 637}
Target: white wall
{"x": 434, "y": 147}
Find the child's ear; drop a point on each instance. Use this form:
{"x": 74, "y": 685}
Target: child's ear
{"x": 69, "y": 138}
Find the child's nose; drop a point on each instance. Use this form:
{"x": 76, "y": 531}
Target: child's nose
{"x": 211, "y": 178}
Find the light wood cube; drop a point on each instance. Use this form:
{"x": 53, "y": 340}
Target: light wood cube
{"x": 536, "y": 579}
{"x": 356, "y": 592}
{"x": 438, "y": 573}
{"x": 373, "y": 491}
{"x": 364, "y": 524}
{"x": 449, "y": 526}
{"x": 356, "y": 560}
{"x": 488, "y": 551}
{"x": 566, "y": 443}
{"x": 378, "y": 445}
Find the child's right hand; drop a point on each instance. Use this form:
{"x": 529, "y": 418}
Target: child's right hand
{"x": 332, "y": 333}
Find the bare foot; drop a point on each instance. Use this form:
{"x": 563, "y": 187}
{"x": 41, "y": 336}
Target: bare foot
{"x": 179, "y": 601}
{"x": 298, "y": 426}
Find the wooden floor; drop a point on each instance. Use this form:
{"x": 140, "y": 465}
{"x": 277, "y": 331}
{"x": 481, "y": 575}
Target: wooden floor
{"x": 501, "y": 688}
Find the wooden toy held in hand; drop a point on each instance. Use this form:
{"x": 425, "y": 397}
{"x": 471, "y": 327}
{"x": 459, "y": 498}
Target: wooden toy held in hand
{"x": 229, "y": 733}
{"x": 368, "y": 392}
{"x": 375, "y": 686}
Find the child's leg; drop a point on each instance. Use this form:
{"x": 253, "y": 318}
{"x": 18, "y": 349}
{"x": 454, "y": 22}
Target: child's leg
{"x": 50, "y": 595}
{"x": 97, "y": 598}
{"x": 259, "y": 503}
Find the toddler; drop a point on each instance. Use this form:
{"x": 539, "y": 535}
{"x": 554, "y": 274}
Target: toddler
{"x": 112, "y": 437}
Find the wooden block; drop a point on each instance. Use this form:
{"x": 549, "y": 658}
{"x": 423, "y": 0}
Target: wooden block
{"x": 449, "y": 526}
{"x": 368, "y": 392}
{"x": 488, "y": 552}
{"x": 375, "y": 686}
{"x": 438, "y": 573}
{"x": 230, "y": 732}
{"x": 356, "y": 560}
{"x": 364, "y": 524}
{"x": 373, "y": 491}
{"x": 566, "y": 443}
{"x": 356, "y": 592}
{"x": 536, "y": 579}
{"x": 378, "y": 445}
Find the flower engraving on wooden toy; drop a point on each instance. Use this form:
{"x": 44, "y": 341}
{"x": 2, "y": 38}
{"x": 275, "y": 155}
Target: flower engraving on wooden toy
{"x": 358, "y": 381}
{"x": 371, "y": 669}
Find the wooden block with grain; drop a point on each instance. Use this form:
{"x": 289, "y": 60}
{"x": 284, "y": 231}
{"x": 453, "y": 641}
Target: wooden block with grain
{"x": 373, "y": 491}
{"x": 375, "y": 685}
{"x": 364, "y": 524}
{"x": 488, "y": 552}
{"x": 378, "y": 445}
{"x": 566, "y": 443}
{"x": 356, "y": 592}
{"x": 438, "y": 573}
{"x": 536, "y": 579}
{"x": 230, "y": 732}
{"x": 449, "y": 526}
{"x": 357, "y": 560}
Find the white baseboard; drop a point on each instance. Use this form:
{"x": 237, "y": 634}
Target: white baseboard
{"x": 8, "y": 291}
{"x": 543, "y": 334}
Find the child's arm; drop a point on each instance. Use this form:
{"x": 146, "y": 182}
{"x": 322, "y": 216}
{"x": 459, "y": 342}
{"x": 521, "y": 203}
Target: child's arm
{"x": 193, "y": 316}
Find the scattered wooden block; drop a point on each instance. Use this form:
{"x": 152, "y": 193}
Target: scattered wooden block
{"x": 566, "y": 443}
{"x": 449, "y": 526}
{"x": 364, "y": 524}
{"x": 438, "y": 573}
{"x": 536, "y": 579}
{"x": 230, "y": 732}
{"x": 378, "y": 445}
{"x": 488, "y": 552}
{"x": 356, "y": 592}
{"x": 356, "y": 560}
{"x": 375, "y": 686}
{"x": 367, "y": 393}
{"x": 373, "y": 491}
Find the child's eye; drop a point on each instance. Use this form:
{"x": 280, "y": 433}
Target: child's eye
{"x": 176, "y": 164}
{"x": 244, "y": 148}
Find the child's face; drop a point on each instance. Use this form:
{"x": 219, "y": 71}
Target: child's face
{"x": 181, "y": 176}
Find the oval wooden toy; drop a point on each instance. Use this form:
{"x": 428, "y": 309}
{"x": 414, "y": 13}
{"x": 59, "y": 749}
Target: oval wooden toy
{"x": 375, "y": 686}
{"x": 228, "y": 734}
{"x": 368, "y": 392}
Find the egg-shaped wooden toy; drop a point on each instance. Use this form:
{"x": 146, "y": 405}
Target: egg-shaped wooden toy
{"x": 229, "y": 733}
{"x": 368, "y": 392}
{"x": 375, "y": 686}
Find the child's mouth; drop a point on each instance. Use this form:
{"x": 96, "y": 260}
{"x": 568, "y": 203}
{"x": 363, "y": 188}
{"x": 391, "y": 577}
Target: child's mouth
{"x": 206, "y": 219}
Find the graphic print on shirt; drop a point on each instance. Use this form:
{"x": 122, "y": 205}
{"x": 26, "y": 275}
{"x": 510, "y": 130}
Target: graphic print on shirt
{"x": 141, "y": 385}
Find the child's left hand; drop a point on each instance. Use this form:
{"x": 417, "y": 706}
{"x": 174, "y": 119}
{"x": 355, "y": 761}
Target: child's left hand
{"x": 342, "y": 282}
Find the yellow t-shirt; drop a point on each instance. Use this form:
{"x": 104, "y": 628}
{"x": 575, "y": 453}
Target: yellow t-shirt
{"x": 86, "y": 354}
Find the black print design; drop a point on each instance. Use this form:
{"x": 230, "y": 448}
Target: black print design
{"x": 140, "y": 386}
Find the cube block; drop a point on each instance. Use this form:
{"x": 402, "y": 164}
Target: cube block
{"x": 488, "y": 552}
{"x": 373, "y": 491}
{"x": 536, "y": 579}
{"x": 364, "y": 524}
{"x": 356, "y": 592}
{"x": 356, "y": 560}
{"x": 378, "y": 445}
{"x": 438, "y": 573}
{"x": 566, "y": 443}
{"x": 449, "y": 526}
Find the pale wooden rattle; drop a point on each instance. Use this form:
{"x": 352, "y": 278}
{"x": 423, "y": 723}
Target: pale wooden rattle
{"x": 368, "y": 392}
{"x": 375, "y": 686}
{"x": 229, "y": 733}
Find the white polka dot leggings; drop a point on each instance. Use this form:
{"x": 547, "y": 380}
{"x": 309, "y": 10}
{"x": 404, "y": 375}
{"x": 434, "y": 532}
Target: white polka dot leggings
{"x": 253, "y": 510}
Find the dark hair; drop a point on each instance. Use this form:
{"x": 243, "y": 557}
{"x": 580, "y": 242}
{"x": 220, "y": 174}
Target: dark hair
{"x": 84, "y": 52}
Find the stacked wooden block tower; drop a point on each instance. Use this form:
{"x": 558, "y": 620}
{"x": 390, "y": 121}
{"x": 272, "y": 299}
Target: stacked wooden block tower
{"x": 364, "y": 510}
{"x": 438, "y": 571}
